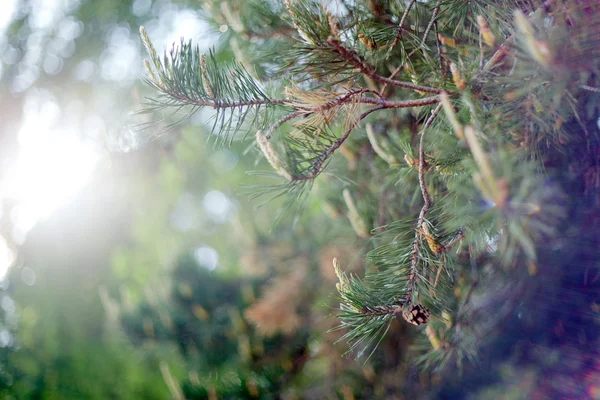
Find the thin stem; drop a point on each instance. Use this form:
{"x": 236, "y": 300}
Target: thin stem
{"x": 216, "y": 104}
{"x": 402, "y": 103}
{"x": 351, "y": 56}
{"x": 458, "y": 237}
{"x": 424, "y": 192}
{"x": 320, "y": 163}
{"x": 499, "y": 54}
{"x": 439, "y": 50}
{"x": 590, "y": 88}
{"x": 481, "y": 52}
{"x": 401, "y": 24}
{"x": 434, "y": 15}
{"x": 281, "y": 121}
{"x": 426, "y": 204}
{"x": 382, "y": 310}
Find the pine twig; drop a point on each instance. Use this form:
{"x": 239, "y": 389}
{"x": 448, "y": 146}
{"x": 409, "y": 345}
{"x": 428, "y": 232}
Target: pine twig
{"x": 280, "y": 122}
{"x": 351, "y": 56}
{"x": 301, "y": 110}
{"x": 217, "y": 105}
{"x": 320, "y": 162}
{"x": 590, "y": 88}
{"x": 401, "y": 24}
{"x": 504, "y": 47}
{"x": 426, "y": 205}
{"x": 439, "y": 50}
{"x": 481, "y": 52}
{"x": 434, "y": 15}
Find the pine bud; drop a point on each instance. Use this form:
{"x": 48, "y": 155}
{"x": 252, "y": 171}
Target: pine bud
{"x": 294, "y": 16}
{"x": 539, "y": 50}
{"x": 459, "y": 82}
{"x": 148, "y": 44}
{"x": 269, "y": 152}
{"x": 340, "y": 275}
{"x": 333, "y": 25}
{"x": 205, "y": 78}
{"x": 379, "y": 150}
{"x": 368, "y": 42}
{"x": 486, "y": 33}
{"x": 356, "y": 221}
{"x": 446, "y": 41}
{"x": 151, "y": 73}
{"x": 449, "y": 110}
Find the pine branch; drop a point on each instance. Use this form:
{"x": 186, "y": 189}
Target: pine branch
{"x": 439, "y": 51}
{"x": 489, "y": 184}
{"x": 434, "y": 15}
{"x": 426, "y": 204}
{"x": 187, "y": 78}
{"x": 401, "y": 24}
{"x": 322, "y": 158}
{"x": 358, "y": 61}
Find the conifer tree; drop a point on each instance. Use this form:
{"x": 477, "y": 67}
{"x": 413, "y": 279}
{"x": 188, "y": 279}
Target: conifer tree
{"x": 447, "y": 128}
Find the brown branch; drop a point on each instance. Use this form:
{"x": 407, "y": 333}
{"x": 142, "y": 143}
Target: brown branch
{"x": 382, "y": 310}
{"x": 320, "y": 163}
{"x": 439, "y": 51}
{"x": 344, "y": 99}
{"x": 216, "y": 104}
{"x": 353, "y": 57}
{"x": 280, "y": 122}
{"x": 340, "y": 100}
{"x": 401, "y": 24}
{"x": 499, "y": 54}
{"x": 426, "y": 205}
{"x": 434, "y": 15}
{"x": 590, "y": 88}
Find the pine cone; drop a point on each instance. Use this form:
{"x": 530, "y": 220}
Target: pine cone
{"x": 416, "y": 314}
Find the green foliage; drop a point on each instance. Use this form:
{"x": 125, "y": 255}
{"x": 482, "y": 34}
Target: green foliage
{"x": 473, "y": 198}
{"x": 480, "y": 172}
{"x": 188, "y": 80}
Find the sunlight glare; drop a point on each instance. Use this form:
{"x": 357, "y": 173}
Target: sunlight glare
{"x": 7, "y": 257}
{"x": 46, "y": 176}
{"x": 52, "y": 165}
{"x": 7, "y": 10}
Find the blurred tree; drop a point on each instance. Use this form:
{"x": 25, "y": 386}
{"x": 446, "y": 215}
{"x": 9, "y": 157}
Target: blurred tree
{"x": 61, "y": 347}
{"x": 66, "y": 79}
{"x": 200, "y": 280}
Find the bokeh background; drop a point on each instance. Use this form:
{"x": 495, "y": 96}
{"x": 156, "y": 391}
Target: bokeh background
{"x": 134, "y": 266}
